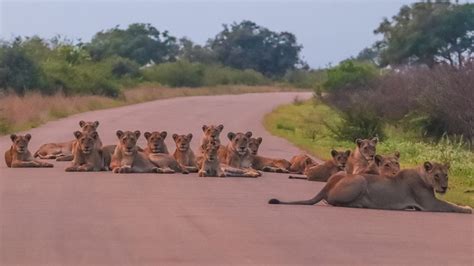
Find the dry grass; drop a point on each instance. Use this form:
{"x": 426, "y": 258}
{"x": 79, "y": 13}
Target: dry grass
{"x": 21, "y": 113}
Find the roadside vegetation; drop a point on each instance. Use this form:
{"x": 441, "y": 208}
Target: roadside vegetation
{"x": 413, "y": 89}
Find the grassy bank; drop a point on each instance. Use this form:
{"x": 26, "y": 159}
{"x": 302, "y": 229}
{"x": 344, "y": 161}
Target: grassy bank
{"x": 33, "y": 109}
{"x": 302, "y": 123}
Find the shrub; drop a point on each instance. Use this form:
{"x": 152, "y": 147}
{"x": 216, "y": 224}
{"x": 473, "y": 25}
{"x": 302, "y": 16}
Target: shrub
{"x": 176, "y": 74}
{"x": 123, "y": 67}
{"x": 219, "y": 75}
{"x": 305, "y": 79}
{"x": 349, "y": 75}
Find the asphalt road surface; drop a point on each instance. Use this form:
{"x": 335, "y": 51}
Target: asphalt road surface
{"x": 49, "y": 217}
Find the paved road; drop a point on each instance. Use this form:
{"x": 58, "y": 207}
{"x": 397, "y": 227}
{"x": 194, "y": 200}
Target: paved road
{"x": 49, "y": 217}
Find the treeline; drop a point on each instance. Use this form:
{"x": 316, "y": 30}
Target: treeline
{"x": 242, "y": 53}
{"x": 419, "y": 77}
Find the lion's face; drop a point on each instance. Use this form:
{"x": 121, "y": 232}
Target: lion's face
{"x": 367, "y": 147}
{"x": 388, "y": 165}
{"x": 156, "y": 141}
{"x": 89, "y": 126}
{"x": 240, "y": 141}
{"x": 212, "y": 132}
{"x": 86, "y": 141}
{"x": 210, "y": 151}
{"x": 340, "y": 158}
{"x": 128, "y": 140}
{"x": 254, "y": 144}
{"x": 182, "y": 141}
{"x": 437, "y": 175}
{"x": 20, "y": 143}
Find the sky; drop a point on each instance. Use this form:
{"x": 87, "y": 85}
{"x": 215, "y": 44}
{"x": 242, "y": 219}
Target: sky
{"x": 330, "y": 31}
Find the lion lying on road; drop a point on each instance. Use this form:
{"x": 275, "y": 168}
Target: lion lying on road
{"x": 87, "y": 157}
{"x": 19, "y": 156}
{"x": 264, "y": 163}
{"x": 410, "y": 188}
{"x": 361, "y": 157}
{"x": 184, "y": 154}
{"x": 322, "y": 172}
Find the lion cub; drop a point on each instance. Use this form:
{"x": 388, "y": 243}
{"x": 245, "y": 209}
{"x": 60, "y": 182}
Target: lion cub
{"x": 86, "y": 155}
{"x": 209, "y": 163}
{"x": 362, "y": 155}
{"x": 300, "y": 162}
{"x": 155, "y": 151}
{"x": 19, "y": 156}
{"x": 264, "y": 163}
{"x": 386, "y": 165}
{"x": 184, "y": 154}
{"x": 156, "y": 142}
{"x": 322, "y": 172}
{"x": 128, "y": 159}
{"x": 212, "y": 133}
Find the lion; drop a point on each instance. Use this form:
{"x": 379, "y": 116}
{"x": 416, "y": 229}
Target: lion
{"x": 63, "y": 151}
{"x": 128, "y": 159}
{"x": 156, "y": 142}
{"x": 19, "y": 156}
{"x": 155, "y": 151}
{"x": 409, "y": 189}
{"x": 87, "y": 157}
{"x": 363, "y": 154}
{"x": 184, "y": 154}
{"x": 264, "y": 163}
{"x": 212, "y": 133}
{"x": 300, "y": 162}
{"x": 322, "y": 172}
{"x": 387, "y": 165}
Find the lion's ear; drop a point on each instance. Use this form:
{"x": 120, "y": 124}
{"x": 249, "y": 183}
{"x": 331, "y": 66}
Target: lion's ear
{"x": 359, "y": 142}
{"x": 174, "y": 136}
{"x": 220, "y": 127}
{"x": 428, "y": 166}
{"x": 333, "y": 153}
{"x": 348, "y": 153}
{"x": 82, "y": 123}
{"x": 204, "y": 128}
{"x": 378, "y": 160}
{"x": 77, "y": 134}
{"x": 248, "y": 134}
{"x": 147, "y": 135}
{"x": 13, "y": 137}
{"x": 28, "y": 137}
{"x": 190, "y": 136}
{"x": 397, "y": 154}
{"x": 231, "y": 135}
{"x": 137, "y": 133}
{"x": 96, "y": 124}
{"x": 259, "y": 140}
{"x": 375, "y": 140}
{"x": 163, "y": 134}
{"x": 308, "y": 161}
{"x": 119, "y": 133}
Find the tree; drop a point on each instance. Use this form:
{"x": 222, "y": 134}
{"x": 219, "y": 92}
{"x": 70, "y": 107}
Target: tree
{"x": 249, "y": 46}
{"x": 428, "y": 33}
{"x": 195, "y": 53}
{"x": 139, "y": 42}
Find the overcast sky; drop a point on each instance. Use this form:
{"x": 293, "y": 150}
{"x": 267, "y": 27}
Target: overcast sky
{"x": 329, "y": 31}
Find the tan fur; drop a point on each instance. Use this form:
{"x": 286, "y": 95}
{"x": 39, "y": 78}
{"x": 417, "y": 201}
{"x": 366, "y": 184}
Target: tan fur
{"x": 264, "y": 163}
{"x": 19, "y": 156}
{"x": 361, "y": 157}
{"x": 156, "y": 142}
{"x": 128, "y": 159}
{"x": 87, "y": 157}
{"x": 386, "y": 165}
{"x": 64, "y": 151}
{"x": 410, "y": 188}
{"x": 184, "y": 154}
{"x": 322, "y": 172}
{"x": 209, "y": 163}
{"x": 300, "y": 162}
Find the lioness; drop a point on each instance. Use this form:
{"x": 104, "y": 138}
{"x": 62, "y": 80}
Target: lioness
{"x": 362, "y": 156}
{"x": 156, "y": 142}
{"x": 184, "y": 154}
{"x": 322, "y": 172}
{"x": 264, "y": 163}
{"x": 87, "y": 157}
{"x": 63, "y": 151}
{"x": 387, "y": 165}
{"x": 410, "y": 188}
{"x": 128, "y": 159}
{"x": 300, "y": 162}
{"x": 19, "y": 156}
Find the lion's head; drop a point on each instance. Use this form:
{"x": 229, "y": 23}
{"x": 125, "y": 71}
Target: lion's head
{"x": 128, "y": 141}
{"x": 156, "y": 141}
{"x": 182, "y": 141}
{"x": 86, "y": 140}
{"x": 20, "y": 143}
{"x": 340, "y": 158}
{"x": 388, "y": 165}
{"x": 89, "y": 126}
{"x": 239, "y": 141}
{"x": 367, "y": 147}
{"x": 436, "y": 176}
{"x": 254, "y": 144}
{"x": 212, "y": 132}
{"x": 210, "y": 151}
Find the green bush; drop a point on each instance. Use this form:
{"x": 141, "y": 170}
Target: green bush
{"x": 349, "y": 75}
{"x": 176, "y": 74}
{"x": 357, "y": 123}
{"x": 305, "y": 79}
{"x": 218, "y": 75}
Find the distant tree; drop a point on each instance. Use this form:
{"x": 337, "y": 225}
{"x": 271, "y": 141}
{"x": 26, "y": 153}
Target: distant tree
{"x": 139, "y": 42}
{"x": 370, "y": 54}
{"x": 195, "y": 53}
{"x": 428, "y": 33}
{"x": 247, "y": 45}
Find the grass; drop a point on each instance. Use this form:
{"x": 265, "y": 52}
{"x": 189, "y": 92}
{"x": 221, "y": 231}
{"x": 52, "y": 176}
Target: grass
{"x": 303, "y": 125}
{"x": 22, "y": 113}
